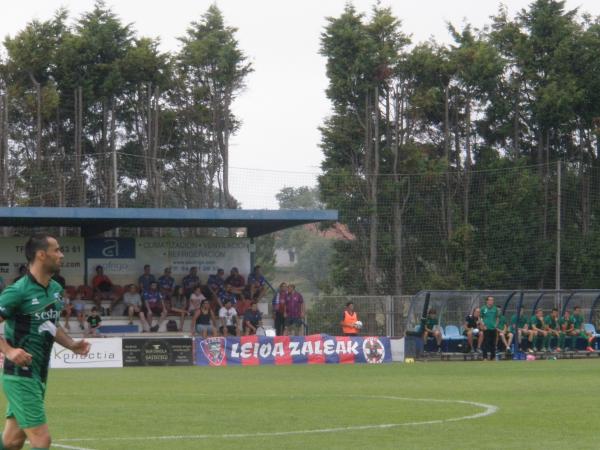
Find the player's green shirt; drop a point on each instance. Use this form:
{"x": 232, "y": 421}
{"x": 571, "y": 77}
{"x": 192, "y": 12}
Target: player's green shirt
{"x": 522, "y": 321}
{"x": 577, "y": 322}
{"x": 553, "y": 323}
{"x": 31, "y": 313}
{"x": 565, "y": 324}
{"x": 501, "y": 323}
{"x": 537, "y": 322}
{"x": 489, "y": 316}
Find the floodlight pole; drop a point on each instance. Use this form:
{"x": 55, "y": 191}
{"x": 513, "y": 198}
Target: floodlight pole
{"x": 558, "y": 231}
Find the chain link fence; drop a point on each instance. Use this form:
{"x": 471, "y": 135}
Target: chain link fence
{"x": 383, "y": 315}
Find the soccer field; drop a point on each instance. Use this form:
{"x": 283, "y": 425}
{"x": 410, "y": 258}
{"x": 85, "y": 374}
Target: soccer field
{"x": 487, "y": 405}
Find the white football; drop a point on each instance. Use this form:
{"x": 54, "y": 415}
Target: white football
{"x": 358, "y": 324}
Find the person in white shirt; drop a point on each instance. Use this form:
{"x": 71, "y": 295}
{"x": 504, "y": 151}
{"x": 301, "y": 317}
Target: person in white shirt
{"x": 229, "y": 320}
{"x": 133, "y": 306}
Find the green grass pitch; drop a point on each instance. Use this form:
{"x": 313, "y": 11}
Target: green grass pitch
{"x": 541, "y": 404}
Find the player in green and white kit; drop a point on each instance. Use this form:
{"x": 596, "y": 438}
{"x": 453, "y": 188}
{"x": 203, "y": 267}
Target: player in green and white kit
{"x": 578, "y": 331}
{"x": 30, "y": 309}
{"x": 538, "y": 328}
{"x": 552, "y": 322}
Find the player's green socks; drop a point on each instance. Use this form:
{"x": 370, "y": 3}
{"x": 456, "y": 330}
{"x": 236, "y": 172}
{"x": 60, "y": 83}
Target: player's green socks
{"x": 1, "y": 443}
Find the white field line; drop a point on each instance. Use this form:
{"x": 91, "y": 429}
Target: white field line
{"x": 70, "y": 447}
{"x": 488, "y": 410}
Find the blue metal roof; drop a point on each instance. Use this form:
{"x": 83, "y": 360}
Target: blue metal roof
{"x": 94, "y": 221}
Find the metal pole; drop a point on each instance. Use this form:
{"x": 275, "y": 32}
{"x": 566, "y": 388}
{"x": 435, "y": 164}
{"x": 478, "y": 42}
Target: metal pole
{"x": 558, "y": 231}
{"x": 115, "y": 183}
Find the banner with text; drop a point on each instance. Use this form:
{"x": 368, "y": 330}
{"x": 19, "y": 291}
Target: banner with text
{"x": 123, "y": 259}
{"x": 158, "y": 352}
{"x": 12, "y": 256}
{"x": 104, "y": 352}
{"x": 283, "y": 350}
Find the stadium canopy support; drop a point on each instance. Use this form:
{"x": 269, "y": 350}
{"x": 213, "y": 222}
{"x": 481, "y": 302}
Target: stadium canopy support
{"x": 94, "y": 221}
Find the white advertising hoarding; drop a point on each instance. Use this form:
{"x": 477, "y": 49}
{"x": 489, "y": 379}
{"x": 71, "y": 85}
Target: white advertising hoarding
{"x": 12, "y": 256}
{"x": 104, "y": 352}
{"x": 123, "y": 260}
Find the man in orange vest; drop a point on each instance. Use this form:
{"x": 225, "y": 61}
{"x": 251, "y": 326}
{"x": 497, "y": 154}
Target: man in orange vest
{"x": 350, "y": 323}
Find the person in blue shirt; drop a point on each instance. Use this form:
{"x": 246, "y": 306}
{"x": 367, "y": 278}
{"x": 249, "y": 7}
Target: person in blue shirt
{"x": 257, "y": 284}
{"x": 146, "y": 279}
{"x": 216, "y": 282}
{"x": 166, "y": 284}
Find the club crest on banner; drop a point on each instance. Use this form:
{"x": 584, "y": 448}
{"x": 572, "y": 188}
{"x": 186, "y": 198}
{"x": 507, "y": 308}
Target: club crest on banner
{"x": 373, "y": 350}
{"x": 214, "y": 350}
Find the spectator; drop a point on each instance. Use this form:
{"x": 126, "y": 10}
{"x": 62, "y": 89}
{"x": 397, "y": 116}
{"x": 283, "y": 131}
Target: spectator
{"x": 22, "y": 273}
{"x": 489, "y": 319}
{"x": 196, "y": 300}
{"x": 59, "y": 279}
{"x": 178, "y": 304}
{"x": 257, "y": 284}
{"x": 146, "y": 279}
{"x": 294, "y": 312}
{"x": 538, "y": 331}
{"x": 2, "y": 284}
{"x": 504, "y": 334}
{"x": 236, "y": 281}
{"x": 190, "y": 282}
{"x": 68, "y": 306}
{"x": 133, "y": 305}
{"x": 278, "y": 308}
{"x": 103, "y": 288}
{"x": 521, "y": 329}
{"x": 578, "y": 330}
{"x": 93, "y": 321}
{"x": 552, "y": 323}
{"x": 229, "y": 320}
{"x": 252, "y": 319}
{"x": 79, "y": 306}
{"x": 566, "y": 325}
{"x": 471, "y": 330}
{"x": 216, "y": 282}
{"x": 154, "y": 304}
{"x": 431, "y": 327}
{"x": 166, "y": 284}
{"x": 243, "y": 305}
{"x": 203, "y": 321}
{"x": 226, "y": 295}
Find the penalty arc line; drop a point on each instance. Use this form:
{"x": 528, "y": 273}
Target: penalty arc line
{"x": 488, "y": 410}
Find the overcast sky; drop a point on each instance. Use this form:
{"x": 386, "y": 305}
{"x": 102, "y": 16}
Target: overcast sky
{"x": 285, "y": 102}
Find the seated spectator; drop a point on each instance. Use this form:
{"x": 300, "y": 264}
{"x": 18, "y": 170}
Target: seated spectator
{"x": 166, "y": 284}
{"x": 226, "y": 295}
{"x": 294, "y": 312}
{"x": 190, "y": 282}
{"x": 229, "y": 320}
{"x": 203, "y": 321}
{"x": 93, "y": 321}
{"x": 472, "y": 330}
{"x": 60, "y": 279}
{"x": 504, "y": 334}
{"x": 552, "y": 323}
{"x": 146, "y": 279}
{"x": 236, "y": 281}
{"x": 78, "y": 305}
{"x": 178, "y": 304}
{"x": 154, "y": 304}
{"x": 133, "y": 305}
{"x": 22, "y": 273}
{"x": 103, "y": 288}
{"x": 243, "y": 305}
{"x": 68, "y": 294}
{"x": 538, "y": 330}
{"x": 257, "y": 284}
{"x": 196, "y": 300}
{"x": 252, "y": 319}
{"x": 578, "y": 331}
{"x": 523, "y": 330}
{"x": 216, "y": 282}
{"x": 431, "y": 328}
